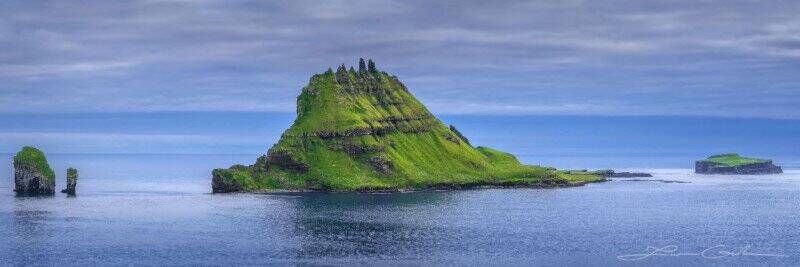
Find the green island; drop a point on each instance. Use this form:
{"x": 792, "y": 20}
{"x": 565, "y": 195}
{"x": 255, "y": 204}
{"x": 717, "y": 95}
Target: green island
{"x": 32, "y": 173}
{"x": 35, "y": 157}
{"x": 732, "y": 163}
{"x": 363, "y": 130}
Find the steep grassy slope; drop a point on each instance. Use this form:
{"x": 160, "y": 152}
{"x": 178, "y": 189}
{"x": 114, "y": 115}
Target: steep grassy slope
{"x": 363, "y": 130}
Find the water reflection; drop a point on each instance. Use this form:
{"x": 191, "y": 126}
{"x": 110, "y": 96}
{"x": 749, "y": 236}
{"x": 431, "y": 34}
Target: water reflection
{"x": 354, "y": 225}
{"x": 475, "y": 227}
{"x": 325, "y": 201}
{"x": 28, "y": 230}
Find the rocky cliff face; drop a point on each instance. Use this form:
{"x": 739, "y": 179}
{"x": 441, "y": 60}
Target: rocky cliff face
{"x": 707, "y": 167}
{"x": 32, "y": 173}
{"x": 223, "y": 182}
{"x": 363, "y": 129}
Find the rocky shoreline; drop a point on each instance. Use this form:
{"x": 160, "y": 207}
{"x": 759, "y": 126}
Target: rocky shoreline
{"x": 613, "y": 174}
{"x": 222, "y": 186}
{"x": 753, "y": 168}
{"x": 441, "y": 187}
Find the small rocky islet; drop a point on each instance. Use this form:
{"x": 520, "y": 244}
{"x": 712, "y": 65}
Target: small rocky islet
{"x": 732, "y": 163}
{"x": 33, "y": 175}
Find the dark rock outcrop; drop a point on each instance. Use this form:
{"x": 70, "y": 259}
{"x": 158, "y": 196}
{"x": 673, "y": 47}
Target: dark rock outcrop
{"x": 341, "y": 75}
{"x": 28, "y": 180}
{"x": 404, "y": 125}
{"x": 371, "y": 67}
{"x": 451, "y": 138}
{"x": 261, "y": 165}
{"x": 381, "y": 165}
{"x": 708, "y": 167}
{"x": 362, "y": 66}
{"x": 284, "y": 159}
{"x": 72, "y": 181}
{"x": 614, "y": 174}
{"x": 356, "y": 149}
{"x": 453, "y": 128}
{"x": 629, "y": 174}
{"x": 221, "y": 184}
{"x": 32, "y": 174}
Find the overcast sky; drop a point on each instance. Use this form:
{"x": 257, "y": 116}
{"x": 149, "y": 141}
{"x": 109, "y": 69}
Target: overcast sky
{"x": 704, "y": 58}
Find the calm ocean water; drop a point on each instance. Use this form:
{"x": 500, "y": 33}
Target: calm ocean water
{"x": 155, "y": 209}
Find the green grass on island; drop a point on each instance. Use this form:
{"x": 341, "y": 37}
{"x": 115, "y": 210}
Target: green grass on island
{"x": 35, "y": 157}
{"x": 733, "y": 159}
{"x": 363, "y": 130}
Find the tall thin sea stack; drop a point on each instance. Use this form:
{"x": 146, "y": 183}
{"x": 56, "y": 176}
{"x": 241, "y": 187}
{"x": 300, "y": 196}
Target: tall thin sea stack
{"x": 72, "y": 181}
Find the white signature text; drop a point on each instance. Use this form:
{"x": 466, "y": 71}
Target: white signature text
{"x": 714, "y": 252}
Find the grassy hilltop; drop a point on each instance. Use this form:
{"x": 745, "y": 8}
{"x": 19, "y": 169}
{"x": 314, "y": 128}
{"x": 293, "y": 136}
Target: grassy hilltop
{"x": 34, "y": 157}
{"x": 732, "y": 159}
{"x": 361, "y": 130}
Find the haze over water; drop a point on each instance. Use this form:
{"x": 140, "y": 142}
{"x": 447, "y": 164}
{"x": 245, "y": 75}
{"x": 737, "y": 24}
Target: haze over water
{"x": 551, "y": 140}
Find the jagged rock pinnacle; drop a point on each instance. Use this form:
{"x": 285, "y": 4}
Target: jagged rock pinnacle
{"x": 371, "y": 67}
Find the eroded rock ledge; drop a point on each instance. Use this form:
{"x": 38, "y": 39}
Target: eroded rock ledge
{"x": 703, "y": 167}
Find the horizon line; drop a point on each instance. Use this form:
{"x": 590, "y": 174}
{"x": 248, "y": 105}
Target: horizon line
{"x": 487, "y": 114}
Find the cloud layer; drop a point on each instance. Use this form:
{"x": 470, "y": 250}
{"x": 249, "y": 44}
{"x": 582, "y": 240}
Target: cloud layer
{"x": 726, "y": 58}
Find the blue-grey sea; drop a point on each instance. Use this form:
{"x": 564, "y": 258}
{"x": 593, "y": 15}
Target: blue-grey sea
{"x": 139, "y": 204}
{"x": 157, "y": 210}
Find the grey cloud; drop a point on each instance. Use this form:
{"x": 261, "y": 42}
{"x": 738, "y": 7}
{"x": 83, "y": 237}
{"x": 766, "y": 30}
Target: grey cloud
{"x": 577, "y": 57}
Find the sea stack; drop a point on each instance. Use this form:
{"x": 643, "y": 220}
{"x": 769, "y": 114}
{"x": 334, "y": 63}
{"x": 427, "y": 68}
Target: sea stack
{"x": 72, "y": 181}
{"x": 732, "y": 163}
{"x": 363, "y": 130}
{"x": 32, "y": 173}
